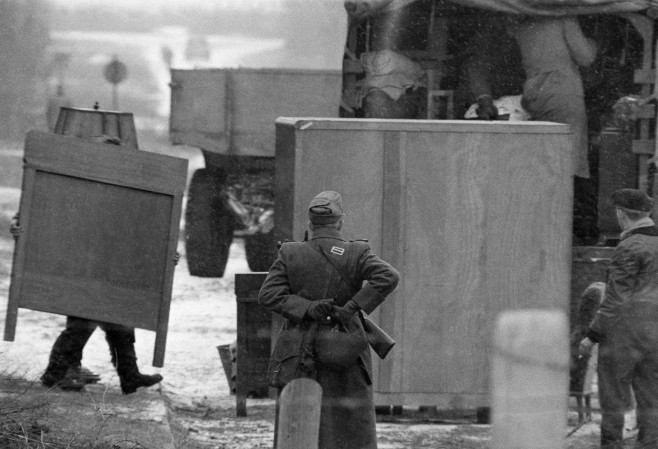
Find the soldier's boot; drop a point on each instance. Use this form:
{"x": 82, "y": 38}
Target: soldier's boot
{"x": 66, "y": 355}
{"x": 83, "y": 374}
{"x": 122, "y": 346}
{"x": 76, "y": 378}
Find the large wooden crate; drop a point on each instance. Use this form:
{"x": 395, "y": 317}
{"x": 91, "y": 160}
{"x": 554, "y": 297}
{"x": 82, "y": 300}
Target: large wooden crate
{"x": 475, "y": 215}
{"x": 101, "y": 229}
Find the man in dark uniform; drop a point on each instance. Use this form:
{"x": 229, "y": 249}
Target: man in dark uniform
{"x": 301, "y": 286}
{"x": 626, "y": 325}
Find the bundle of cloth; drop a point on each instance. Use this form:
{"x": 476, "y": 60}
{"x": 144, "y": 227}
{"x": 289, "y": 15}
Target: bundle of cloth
{"x": 509, "y": 108}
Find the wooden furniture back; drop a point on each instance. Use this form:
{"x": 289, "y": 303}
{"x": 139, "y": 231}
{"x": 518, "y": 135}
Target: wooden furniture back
{"x": 476, "y": 216}
{"x": 101, "y": 229}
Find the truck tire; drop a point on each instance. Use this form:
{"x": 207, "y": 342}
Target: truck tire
{"x": 260, "y": 250}
{"x": 208, "y": 225}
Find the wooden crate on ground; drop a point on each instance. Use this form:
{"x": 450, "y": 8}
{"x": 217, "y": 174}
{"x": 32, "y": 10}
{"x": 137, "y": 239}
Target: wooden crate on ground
{"x": 475, "y": 215}
{"x": 254, "y": 340}
{"x": 101, "y": 229}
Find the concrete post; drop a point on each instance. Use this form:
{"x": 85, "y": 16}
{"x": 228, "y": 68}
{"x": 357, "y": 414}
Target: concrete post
{"x": 530, "y": 380}
{"x": 299, "y": 415}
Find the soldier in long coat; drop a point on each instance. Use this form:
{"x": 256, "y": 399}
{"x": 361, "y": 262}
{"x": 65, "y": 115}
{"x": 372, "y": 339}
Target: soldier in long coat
{"x": 302, "y": 285}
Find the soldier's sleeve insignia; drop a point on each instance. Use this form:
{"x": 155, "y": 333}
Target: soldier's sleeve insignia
{"x": 337, "y": 250}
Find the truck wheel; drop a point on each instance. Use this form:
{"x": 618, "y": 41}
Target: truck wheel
{"x": 260, "y": 250}
{"x": 208, "y": 225}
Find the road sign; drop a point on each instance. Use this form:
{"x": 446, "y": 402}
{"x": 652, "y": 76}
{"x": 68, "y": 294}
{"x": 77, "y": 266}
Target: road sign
{"x": 115, "y": 71}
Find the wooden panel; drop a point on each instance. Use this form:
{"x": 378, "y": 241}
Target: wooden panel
{"x": 104, "y": 163}
{"x": 254, "y": 341}
{"x": 646, "y": 147}
{"x": 618, "y": 169}
{"x": 645, "y": 76}
{"x": 475, "y": 215}
{"x": 260, "y": 96}
{"x": 101, "y": 229}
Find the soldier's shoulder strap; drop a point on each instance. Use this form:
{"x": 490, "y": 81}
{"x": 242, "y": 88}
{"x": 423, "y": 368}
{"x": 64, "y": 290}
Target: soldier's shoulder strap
{"x": 335, "y": 261}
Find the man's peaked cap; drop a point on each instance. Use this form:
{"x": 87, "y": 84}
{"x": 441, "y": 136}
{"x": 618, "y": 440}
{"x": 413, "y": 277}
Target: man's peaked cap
{"x": 325, "y": 208}
{"x": 632, "y": 200}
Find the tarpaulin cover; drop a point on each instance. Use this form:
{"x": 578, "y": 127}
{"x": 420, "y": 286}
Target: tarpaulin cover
{"x": 531, "y": 7}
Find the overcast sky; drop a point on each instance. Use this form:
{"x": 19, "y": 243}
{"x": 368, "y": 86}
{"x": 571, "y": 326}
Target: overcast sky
{"x": 236, "y": 4}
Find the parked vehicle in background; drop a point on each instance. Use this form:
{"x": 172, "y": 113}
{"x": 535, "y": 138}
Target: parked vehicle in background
{"x": 229, "y": 114}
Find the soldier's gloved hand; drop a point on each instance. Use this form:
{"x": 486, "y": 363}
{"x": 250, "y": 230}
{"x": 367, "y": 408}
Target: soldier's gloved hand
{"x": 320, "y": 310}
{"x": 14, "y": 228}
{"x": 585, "y": 347}
{"x": 486, "y": 109}
{"x": 346, "y": 312}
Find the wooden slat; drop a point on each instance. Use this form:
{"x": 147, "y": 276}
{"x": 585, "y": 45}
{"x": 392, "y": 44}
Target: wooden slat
{"x": 644, "y": 76}
{"x": 18, "y": 261}
{"x": 119, "y": 305}
{"x": 163, "y": 316}
{"x": 90, "y": 160}
{"x": 446, "y": 126}
{"x": 392, "y": 234}
{"x": 644, "y": 147}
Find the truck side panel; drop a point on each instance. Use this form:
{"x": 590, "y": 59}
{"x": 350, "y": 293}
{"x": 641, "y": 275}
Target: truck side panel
{"x": 232, "y": 111}
{"x": 198, "y": 109}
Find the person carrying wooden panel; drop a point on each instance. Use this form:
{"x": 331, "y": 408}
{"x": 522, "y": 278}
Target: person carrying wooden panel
{"x": 65, "y": 368}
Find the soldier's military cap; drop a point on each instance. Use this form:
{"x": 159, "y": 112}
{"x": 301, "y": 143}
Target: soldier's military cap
{"x": 325, "y": 208}
{"x": 632, "y": 200}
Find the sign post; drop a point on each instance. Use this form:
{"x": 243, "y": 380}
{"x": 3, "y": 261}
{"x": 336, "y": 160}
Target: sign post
{"x": 115, "y": 72}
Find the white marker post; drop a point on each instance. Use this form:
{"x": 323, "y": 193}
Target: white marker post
{"x": 530, "y": 380}
{"x": 299, "y": 415}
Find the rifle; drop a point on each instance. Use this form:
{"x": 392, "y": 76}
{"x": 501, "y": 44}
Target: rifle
{"x": 378, "y": 339}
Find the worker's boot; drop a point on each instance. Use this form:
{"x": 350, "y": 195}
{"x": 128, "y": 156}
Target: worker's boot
{"x": 83, "y": 374}
{"x": 122, "y": 346}
{"x": 76, "y": 378}
{"x": 139, "y": 380}
{"x": 66, "y": 355}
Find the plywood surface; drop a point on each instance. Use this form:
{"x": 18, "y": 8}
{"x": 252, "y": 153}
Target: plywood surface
{"x": 101, "y": 228}
{"x": 476, "y": 220}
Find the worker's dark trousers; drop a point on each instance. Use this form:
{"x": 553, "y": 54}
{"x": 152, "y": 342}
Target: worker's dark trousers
{"x": 67, "y": 350}
{"x": 628, "y": 358}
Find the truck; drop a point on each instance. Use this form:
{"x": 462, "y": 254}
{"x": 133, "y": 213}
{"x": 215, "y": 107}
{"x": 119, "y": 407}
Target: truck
{"x": 406, "y": 59}
{"x": 229, "y": 115}
{"x": 419, "y": 48}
